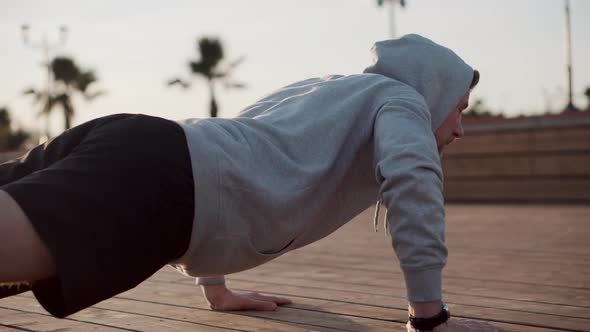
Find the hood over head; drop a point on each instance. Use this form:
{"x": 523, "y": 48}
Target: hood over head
{"x": 436, "y": 72}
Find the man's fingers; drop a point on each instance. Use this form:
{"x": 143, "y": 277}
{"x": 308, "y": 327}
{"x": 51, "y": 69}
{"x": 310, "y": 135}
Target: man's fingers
{"x": 245, "y": 303}
{"x": 275, "y": 299}
{"x": 253, "y": 304}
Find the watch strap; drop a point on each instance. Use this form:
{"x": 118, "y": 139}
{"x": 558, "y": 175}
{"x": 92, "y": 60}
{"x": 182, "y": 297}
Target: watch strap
{"x": 427, "y": 324}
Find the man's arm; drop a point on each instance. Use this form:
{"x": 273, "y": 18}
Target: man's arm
{"x": 407, "y": 166}
{"x": 408, "y": 170}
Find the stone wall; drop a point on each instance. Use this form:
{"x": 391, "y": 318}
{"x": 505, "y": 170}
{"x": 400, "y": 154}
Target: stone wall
{"x": 8, "y": 155}
{"x": 540, "y": 159}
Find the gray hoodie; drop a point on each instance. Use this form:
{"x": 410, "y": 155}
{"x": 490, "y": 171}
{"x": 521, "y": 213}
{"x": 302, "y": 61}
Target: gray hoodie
{"x": 304, "y": 160}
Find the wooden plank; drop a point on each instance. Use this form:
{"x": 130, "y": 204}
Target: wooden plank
{"x": 550, "y": 164}
{"x": 507, "y": 309}
{"x": 362, "y": 316}
{"x": 18, "y": 319}
{"x": 9, "y": 155}
{"x": 577, "y": 164}
{"x": 174, "y": 309}
{"x": 458, "y": 166}
{"x": 519, "y": 266}
{"x": 180, "y": 307}
{"x": 510, "y": 237}
{"x": 315, "y": 308}
{"x": 549, "y": 277}
{"x": 557, "y": 139}
{"x": 512, "y": 319}
{"x": 394, "y": 298}
{"x": 310, "y": 313}
{"x": 373, "y": 305}
{"x": 513, "y": 295}
{"x": 7, "y": 328}
{"x": 114, "y": 317}
{"x": 569, "y": 165}
{"x": 518, "y": 189}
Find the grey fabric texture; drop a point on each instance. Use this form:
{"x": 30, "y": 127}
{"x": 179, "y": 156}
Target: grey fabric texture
{"x": 301, "y": 162}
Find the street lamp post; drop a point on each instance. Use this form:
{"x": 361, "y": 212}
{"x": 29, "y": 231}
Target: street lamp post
{"x": 392, "y": 4}
{"x": 47, "y": 50}
{"x": 568, "y": 59}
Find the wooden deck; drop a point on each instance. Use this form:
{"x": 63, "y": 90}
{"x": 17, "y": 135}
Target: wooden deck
{"x": 526, "y": 268}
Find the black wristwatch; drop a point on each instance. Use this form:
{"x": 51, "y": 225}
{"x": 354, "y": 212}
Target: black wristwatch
{"x": 427, "y": 324}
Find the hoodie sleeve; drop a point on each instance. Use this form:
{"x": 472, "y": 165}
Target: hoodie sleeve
{"x": 408, "y": 170}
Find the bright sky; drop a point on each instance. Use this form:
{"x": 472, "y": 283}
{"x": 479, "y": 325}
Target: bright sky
{"x": 136, "y": 45}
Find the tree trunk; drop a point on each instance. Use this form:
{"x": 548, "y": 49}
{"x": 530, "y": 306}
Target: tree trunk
{"x": 213, "y": 104}
{"x": 67, "y": 121}
{"x": 68, "y": 109}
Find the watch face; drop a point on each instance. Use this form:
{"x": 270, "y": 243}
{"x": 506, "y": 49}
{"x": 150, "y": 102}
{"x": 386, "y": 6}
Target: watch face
{"x": 446, "y": 308}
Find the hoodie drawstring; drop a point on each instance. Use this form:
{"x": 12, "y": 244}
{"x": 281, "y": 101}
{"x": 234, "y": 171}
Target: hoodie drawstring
{"x": 376, "y": 218}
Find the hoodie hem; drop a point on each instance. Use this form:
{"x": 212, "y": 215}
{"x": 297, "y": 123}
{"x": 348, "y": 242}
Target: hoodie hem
{"x": 206, "y": 176}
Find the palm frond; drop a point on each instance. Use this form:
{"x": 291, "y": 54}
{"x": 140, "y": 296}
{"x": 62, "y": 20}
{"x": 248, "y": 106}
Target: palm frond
{"x": 37, "y": 95}
{"x": 235, "y": 85}
{"x": 85, "y": 79}
{"x": 4, "y": 117}
{"x": 65, "y": 70}
{"x": 201, "y": 68}
{"x": 93, "y": 95}
{"x": 177, "y": 81}
{"x": 236, "y": 62}
{"x": 30, "y": 91}
{"x": 211, "y": 51}
{"x": 219, "y": 74}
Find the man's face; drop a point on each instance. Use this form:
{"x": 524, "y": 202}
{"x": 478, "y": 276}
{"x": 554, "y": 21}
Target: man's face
{"x": 451, "y": 128}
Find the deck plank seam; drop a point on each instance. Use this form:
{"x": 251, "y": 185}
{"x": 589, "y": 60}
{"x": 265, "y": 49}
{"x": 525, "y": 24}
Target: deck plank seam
{"x": 225, "y": 312}
{"x": 16, "y": 327}
{"x": 446, "y": 276}
{"x": 541, "y": 253}
{"x": 403, "y": 297}
{"x": 165, "y": 318}
{"x": 184, "y": 282}
{"x": 403, "y": 309}
{"x": 71, "y": 319}
{"x": 375, "y": 318}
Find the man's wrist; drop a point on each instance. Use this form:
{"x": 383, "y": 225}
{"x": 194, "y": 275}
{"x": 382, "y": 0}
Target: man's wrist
{"x": 424, "y": 309}
{"x": 214, "y": 294}
{"x": 421, "y": 317}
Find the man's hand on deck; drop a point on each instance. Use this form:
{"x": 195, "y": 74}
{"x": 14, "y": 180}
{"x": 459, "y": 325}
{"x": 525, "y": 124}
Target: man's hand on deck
{"x": 221, "y": 298}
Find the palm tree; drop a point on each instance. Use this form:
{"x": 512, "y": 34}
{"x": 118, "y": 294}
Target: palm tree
{"x": 477, "y": 109}
{"x": 211, "y": 68}
{"x": 10, "y": 139}
{"x": 69, "y": 79}
{"x": 587, "y": 94}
